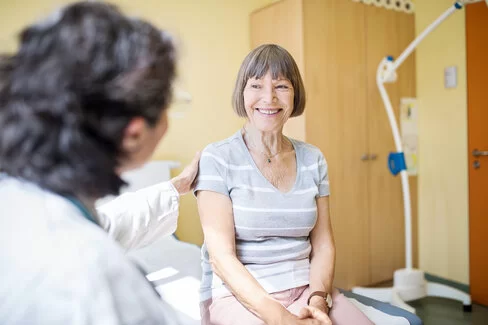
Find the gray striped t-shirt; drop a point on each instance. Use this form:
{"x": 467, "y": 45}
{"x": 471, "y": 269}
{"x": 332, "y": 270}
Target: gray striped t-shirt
{"x": 271, "y": 227}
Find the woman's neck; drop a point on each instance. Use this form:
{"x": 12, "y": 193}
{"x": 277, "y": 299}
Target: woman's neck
{"x": 268, "y": 143}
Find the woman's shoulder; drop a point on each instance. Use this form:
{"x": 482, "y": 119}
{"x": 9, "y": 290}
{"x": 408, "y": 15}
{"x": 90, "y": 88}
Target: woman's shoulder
{"x": 307, "y": 150}
{"x": 222, "y": 148}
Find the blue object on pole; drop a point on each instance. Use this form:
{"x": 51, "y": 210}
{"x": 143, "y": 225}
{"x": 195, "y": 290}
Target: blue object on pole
{"x": 396, "y": 162}
{"x": 389, "y": 58}
{"x": 458, "y": 5}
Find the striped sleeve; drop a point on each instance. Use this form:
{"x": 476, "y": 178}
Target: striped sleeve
{"x": 324, "y": 189}
{"x": 212, "y": 172}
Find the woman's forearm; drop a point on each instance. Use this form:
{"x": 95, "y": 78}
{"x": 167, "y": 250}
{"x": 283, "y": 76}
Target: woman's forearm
{"x": 322, "y": 264}
{"x": 322, "y": 257}
{"x": 246, "y": 289}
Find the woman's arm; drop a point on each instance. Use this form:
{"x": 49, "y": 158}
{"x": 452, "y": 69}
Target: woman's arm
{"x": 217, "y": 219}
{"x": 322, "y": 258}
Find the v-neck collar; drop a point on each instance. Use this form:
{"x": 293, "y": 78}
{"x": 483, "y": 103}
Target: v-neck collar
{"x": 255, "y": 166}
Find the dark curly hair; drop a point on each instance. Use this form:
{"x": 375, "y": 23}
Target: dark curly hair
{"x": 70, "y": 91}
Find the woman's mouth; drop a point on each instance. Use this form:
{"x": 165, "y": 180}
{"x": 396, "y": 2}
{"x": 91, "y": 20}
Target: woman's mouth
{"x": 268, "y": 111}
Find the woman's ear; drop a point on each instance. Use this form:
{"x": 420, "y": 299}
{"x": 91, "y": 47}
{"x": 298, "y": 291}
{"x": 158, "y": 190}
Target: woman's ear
{"x": 134, "y": 136}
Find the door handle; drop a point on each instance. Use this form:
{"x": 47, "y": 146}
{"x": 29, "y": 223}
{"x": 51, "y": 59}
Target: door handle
{"x": 365, "y": 157}
{"x": 478, "y": 153}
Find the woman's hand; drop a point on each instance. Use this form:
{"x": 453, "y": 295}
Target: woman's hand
{"x": 308, "y": 316}
{"x": 184, "y": 182}
{"x": 315, "y": 315}
{"x": 320, "y": 304}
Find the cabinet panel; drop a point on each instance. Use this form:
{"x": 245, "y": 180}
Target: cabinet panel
{"x": 281, "y": 23}
{"x": 336, "y": 122}
{"x": 387, "y": 33}
{"x": 338, "y": 45}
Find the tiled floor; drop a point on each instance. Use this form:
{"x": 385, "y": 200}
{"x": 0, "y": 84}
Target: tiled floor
{"x": 440, "y": 311}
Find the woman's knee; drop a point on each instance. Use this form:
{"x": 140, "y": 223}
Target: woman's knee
{"x": 344, "y": 311}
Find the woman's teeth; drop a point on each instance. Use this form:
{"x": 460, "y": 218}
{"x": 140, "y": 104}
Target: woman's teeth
{"x": 268, "y": 111}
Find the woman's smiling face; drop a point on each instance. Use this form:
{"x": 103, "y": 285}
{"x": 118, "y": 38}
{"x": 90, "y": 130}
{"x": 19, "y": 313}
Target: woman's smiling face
{"x": 268, "y": 102}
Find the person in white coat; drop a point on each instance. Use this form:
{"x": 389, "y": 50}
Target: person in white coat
{"x": 137, "y": 219}
{"x": 83, "y": 100}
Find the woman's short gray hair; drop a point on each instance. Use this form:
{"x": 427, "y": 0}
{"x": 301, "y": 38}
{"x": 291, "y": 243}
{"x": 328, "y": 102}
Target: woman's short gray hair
{"x": 277, "y": 60}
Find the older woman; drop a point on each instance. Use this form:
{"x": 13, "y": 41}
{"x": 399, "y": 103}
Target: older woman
{"x": 263, "y": 202}
{"x": 83, "y": 100}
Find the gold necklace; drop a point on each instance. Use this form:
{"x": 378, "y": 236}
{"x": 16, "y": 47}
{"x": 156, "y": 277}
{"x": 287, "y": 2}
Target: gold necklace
{"x": 268, "y": 157}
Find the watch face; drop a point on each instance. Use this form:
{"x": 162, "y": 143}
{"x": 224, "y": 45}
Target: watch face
{"x": 328, "y": 301}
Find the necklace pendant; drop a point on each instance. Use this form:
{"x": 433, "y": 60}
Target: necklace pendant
{"x": 269, "y": 160}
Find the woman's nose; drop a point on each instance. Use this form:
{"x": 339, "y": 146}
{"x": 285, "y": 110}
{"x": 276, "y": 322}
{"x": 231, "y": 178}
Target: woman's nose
{"x": 269, "y": 94}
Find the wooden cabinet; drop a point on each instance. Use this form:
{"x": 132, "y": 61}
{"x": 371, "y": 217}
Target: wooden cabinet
{"x": 338, "y": 45}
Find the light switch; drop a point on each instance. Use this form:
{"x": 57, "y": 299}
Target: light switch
{"x": 450, "y": 77}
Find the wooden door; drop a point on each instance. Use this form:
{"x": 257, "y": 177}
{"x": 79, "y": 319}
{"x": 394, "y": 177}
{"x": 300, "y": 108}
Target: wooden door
{"x": 281, "y": 23}
{"x": 336, "y": 122}
{"x": 477, "y": 74}
{"x": 387, "y": 33}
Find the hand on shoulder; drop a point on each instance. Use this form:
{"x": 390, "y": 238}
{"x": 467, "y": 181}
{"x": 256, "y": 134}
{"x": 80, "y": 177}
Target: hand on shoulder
{"x": 185, "y": 181}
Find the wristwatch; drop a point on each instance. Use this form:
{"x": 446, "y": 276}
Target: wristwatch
{"x": 325, "y": 295}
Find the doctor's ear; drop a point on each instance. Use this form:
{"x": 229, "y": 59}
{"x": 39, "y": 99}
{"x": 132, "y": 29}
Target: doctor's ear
{"x": 135, "y": 135}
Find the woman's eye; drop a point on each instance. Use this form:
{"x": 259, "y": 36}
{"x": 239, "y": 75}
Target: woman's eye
{"x": 255, "y": 86}
{"x": 282, "y": 87}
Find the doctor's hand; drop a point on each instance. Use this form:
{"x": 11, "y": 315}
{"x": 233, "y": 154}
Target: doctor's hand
{"x": 184, "y": 182}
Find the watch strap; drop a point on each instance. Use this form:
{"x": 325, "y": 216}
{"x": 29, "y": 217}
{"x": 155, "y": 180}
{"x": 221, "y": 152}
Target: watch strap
{"x": 321, "y": 294}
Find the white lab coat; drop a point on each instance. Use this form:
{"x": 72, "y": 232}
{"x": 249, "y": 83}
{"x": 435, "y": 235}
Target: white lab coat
{"x": 139, "y": 218}
{"x": 57, "y": 267}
